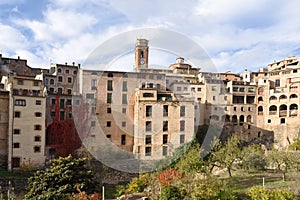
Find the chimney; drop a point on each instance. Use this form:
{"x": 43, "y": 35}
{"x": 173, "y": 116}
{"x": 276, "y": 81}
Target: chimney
{"x": 73, "y": 63}
{"x": 18, "y": 57}
{"x": 66, "y": 63}
{"x": 78, "y": 65}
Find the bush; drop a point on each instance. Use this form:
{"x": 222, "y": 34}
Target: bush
{"x": 260, "y": 193}
{"x": 170, "y": 192}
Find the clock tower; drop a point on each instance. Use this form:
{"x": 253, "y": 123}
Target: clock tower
{"x": 141, "y": 54}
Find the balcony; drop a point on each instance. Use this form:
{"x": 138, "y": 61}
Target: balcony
{"x": 27, "y": 92}
{"x": 272, "y": 112}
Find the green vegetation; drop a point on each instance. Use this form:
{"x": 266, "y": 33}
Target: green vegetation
{"x": 65, "y": 176}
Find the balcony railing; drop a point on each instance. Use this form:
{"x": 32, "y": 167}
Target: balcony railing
{"x": 27, "y": 92}
{"x": 272, "y": 112}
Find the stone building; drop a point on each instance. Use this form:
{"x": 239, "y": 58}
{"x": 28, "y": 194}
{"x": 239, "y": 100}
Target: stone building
{"x": 4, "y": 115}
{"x": 26, "y": 130}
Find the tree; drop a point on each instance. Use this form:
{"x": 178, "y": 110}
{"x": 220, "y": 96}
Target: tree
{"x": 191, "y": 161}
{"x": 61, "y": 179}
{"x": 224, "y": 155}
{"x": 295, "y": 145}
{"x": 283, "y": 161}
{"x": 253, "y": 157}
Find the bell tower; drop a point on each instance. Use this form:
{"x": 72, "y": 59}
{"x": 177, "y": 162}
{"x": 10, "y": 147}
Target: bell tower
{"x": 141, "y": 54}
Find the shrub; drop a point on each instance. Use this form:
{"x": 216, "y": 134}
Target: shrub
{"x": 260, "y": 193}
{"x": 170, "y": 192}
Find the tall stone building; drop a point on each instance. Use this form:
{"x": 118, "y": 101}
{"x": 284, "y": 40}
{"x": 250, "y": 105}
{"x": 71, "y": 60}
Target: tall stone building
{"x": 4, "y": 123}
{"x": 26, "y": 130}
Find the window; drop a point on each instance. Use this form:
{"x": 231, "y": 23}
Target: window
{"x": 59, "y": 91}
{"x": 67, "y": 71}
{"x": 59, "y": 70}
{"x": 148, "y": 126}
{"x": 148, "y": 151}
{"x": 282, "y": 121}
{"x": 35, "y": 83}
{"x": 16, "y": 145}
{"x": 181, "y": 139}
{"x": 74, "y": 72}
{"x": 38, "y": 102}
{"x": 69, "y": 80}
{"x": 69, "y": 91}
{"x": 94, "y": 84}
{"x": 124, "y": 86}
{"x": 108, "y": 110}
{"x": 294, "y": 70}
{"x": 234, "y": 108}
{"x": 178, "y": 88}
{"x": 37, "y": 138}
{"x": 225, "y": 98}
{"x": 53, "y": 101}
{"x": 214, "y": 88}
{"x": 165, "y": 150}
{"x": 277, "y": 83}
{"x": 108, "y": 135}
{"x": 37, "y": 127}
{"x": 93, "y": 110}
{"x": 108, "y": 124}
{"x": 124, "y": 110}
{"x": 52, "y": 114}
{"x": 69, "y": 102}
{"x": 269, "y": 121}
{"x": 61, "y": 103}
{"x": 185, "y": 88}
{"x": 20, "y": 82}
{"x": 37, "y": 149}
{"x": 109, "y": 98}
{"x": 242, "y": 89}
{"x": 17, "y": 114}
{"x": 148, "y": 139}
{"x": 38, "y": 114}
{"x": 123, "y": 124}
{"x": 51, "y": 81}
{"x": 214, "y": 98}
{"x": 90, "y": 96}
{"x": 15, "y": 162}
{"x": 20, "y": 102}
{"x": 199, "y": 89}
{"x": 109, "y": 85}
{"x": 93, "y": 123}
{"x": 182, "y": 111}
{"x": 17, "y": 131}
{"x": 124, "y": 98}
{"x": 51, "y": 90}
{"x": 165, "y": 126}
{"x": 165, "y": 139}
{"x": 110, "y": 75}
{"x": 123, "y": 139}
{"x": 60, "y": 79}
{"x": 165, "y": 110}
{"x": 182, "y": 125}
{"x": 148, "y": 111}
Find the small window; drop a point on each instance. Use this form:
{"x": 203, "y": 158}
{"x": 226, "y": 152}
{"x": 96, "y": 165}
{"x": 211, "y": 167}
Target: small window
{"x": 108, "y": 135}
{"x": 282, "y": 120}
{"x": 123, "y": 139}
{"x": 93, "y": 123}
{"x": 17, "y": 131}
{"x": 124, "y": 86}
{"x": 110, "y": 75}
{"x": 182, "y": 139}
{"x": 123, "y": 124}
{"x": 108, "y": 124}
{"x": 69, "y": 80}
{"x": 38, "y": 102}
{"x": 214, "y": 88}
{"x": 148, "y": 126}
{"x": 182, "y": 125}
{"x": 93, "y": 110}
{"x": 60, "y": 79}
{"x": 20, "y": 82}
{"x": 109, "y": 98}
{"x": 53, "y": 101}
{"x": 90, "y": 96}
{"x": 20, "y": 102}
{"x": 165, "y": 126}
{"x": 148, "y": 151}
{"x": 75, "y": 72}
{"x": 124, "y": 110}
{"x": 148, "y": 139}
{"x": 37, "y": 127}
{"x": 51, "y": 81}
{"x": 94, "y": 84}
{"x": 124, "y": 98}
{"x": 69, "y": 102}
{"x": 16, "y": 145}
{"x": 199, "y": 89}
{"x": 165, "y": 150}
{"x": 59, "y": 70}
{"x": 35, "y": 83}
{"x": 38, "y": 114}
{"x": 17, "y": 114}
{"x": 37, "y": 149}
{"x": 67, "y": 71}
{"x": 182, "y": 111}
{"x": 234, "y": 108}
{"x": 165, "y": 139}
{"x": 269, "y": 121}
{"x": 214, "y": 98}
{"x": 37, "y": 138}
{"x": 108, "y": 110}
{"x": 165, "y": 110}
{"x": 109, "y": 85}
{"x": 148, "y": 111}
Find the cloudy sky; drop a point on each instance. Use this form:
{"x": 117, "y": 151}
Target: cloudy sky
{"x": 235, "y": 34}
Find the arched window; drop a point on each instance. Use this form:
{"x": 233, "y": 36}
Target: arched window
{"x": 234, "y": 119}
{"x": 227, "y": 118}
{"x": 283, "y": 97}
{"x": 249, "y": 118}
{"x": 260, "y": 109}
{"x": 283, "y": 107}
{"x": 260, "y": 99}
{"x": 242, "y": 118}
{"x": 282, "y": 110}
{"x": 293, "y": 96}
{"x": 142, "y": 54}
{"x": 260, "y": 90}
{"x": 59, "y": 70}
{"x": 51, "y": 81}
{"x": 273, "y": 98}
{"x": 67, "y": 71}
{"x": 272, "y": 110}
{"x": 110, "y": 74}
{"x": 293, "y": 109}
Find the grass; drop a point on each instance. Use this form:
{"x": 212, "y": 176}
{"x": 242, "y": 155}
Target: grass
{"x": 15, "y": 174}
{"x": 241, "y": 181}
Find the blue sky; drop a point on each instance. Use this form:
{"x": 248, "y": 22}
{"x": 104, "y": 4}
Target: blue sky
{"x": 236, "y": 34}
